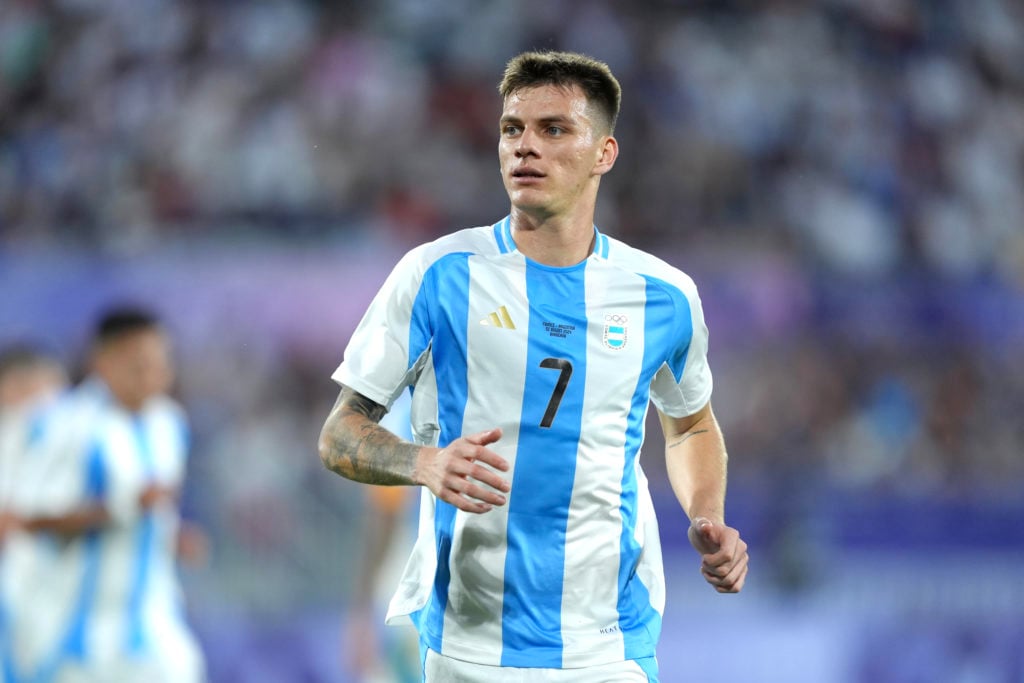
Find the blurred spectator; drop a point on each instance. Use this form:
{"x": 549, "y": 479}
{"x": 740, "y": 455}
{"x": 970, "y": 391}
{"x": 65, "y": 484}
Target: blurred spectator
{"x": 886, "y": 135}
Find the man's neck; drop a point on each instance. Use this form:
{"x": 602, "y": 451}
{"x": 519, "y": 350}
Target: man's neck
{"x": 554, "y": 241}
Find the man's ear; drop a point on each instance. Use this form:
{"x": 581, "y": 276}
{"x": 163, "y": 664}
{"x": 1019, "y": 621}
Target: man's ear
{"x": 609, "y": 152}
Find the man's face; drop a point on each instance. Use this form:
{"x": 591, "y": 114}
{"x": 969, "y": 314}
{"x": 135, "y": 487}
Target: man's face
{"x": 136, "y": 366}
{"x": 551, "y": 149}
{"x": 25, "y": 386}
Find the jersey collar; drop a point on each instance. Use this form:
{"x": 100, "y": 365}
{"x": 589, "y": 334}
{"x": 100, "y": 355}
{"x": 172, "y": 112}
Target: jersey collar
{"x": 503, "y": 237}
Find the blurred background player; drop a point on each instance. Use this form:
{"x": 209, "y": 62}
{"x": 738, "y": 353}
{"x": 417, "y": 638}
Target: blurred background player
{"x": 30, "y": 378}
{"x": 105, "y": 511}
{"x": 376, "y": 654}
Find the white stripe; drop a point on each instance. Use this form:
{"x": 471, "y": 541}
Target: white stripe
{"x": 476, "y": 590}
{"x": 651, "y": 570}
{"x": 413, "y": 590}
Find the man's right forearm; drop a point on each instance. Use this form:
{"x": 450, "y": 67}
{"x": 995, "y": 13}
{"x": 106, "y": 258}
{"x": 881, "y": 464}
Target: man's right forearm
{"x": 353, "y": 445}
{"x": 74, "y": 523}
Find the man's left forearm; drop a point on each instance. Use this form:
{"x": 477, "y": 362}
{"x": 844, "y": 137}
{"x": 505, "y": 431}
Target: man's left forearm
{"x": 696, "y": 462}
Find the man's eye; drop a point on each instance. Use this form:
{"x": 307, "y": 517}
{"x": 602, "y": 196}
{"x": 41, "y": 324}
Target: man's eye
{"x": 555, "y": 130}
{"x": 510, "y": 130}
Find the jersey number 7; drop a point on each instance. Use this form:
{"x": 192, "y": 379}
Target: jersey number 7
{"x": 565, "y": 372}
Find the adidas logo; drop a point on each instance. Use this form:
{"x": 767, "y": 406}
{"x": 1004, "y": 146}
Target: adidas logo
{"x": 499, "y": 318}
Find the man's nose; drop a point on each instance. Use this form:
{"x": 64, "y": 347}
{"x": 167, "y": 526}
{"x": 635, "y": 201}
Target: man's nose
{"x": 526, "y": 146}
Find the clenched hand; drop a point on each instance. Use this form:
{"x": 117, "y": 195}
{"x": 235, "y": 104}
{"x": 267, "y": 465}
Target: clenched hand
{"x": 723, "y": 554}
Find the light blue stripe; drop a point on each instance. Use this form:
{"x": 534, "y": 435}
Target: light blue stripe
{"x": 73, "y": 645}
{"x": 672, "y": 307}
{"x": 506, "y": 234}
{"x": 601, "y": 246}
{"x": 496, "y": 228}
{"x": 137, "y": 638}
{"x": 649, "y": 665}
{"x": 639, "y": 622}
{"x": 500, "y": 230}
{"x": 442, "y": 321}
{"x": 7, "y": 664}
{"x": 7, "y": 672}
{"x": 75, "y": 642}
{"x": 36, "y": 430}
{"x": 423, "y": 660}
{"x": 545, "y": 470}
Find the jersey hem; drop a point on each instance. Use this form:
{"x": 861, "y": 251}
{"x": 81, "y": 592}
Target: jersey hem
{"x": 528, "y": 659}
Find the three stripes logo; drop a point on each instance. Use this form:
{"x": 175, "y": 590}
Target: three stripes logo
{"x": 499, "y": 318}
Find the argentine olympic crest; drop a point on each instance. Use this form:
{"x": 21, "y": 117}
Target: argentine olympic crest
{"x": 615, "y": 331}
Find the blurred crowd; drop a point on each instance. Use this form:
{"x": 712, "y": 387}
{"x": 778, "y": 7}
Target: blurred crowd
{"x": 861, "y": 136}
{"x": 843, "y": 178}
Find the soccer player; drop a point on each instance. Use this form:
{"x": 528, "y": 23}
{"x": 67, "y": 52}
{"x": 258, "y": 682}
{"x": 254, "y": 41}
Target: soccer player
{"x": 106, "y": 513}
{"x": 534, "y": 347}
{"x": 30, "y": 379}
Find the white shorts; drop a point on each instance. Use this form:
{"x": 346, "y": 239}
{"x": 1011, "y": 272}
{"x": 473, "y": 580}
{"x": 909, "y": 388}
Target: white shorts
{"x": 438, "y": 668}
{"x": 130, "y": 670}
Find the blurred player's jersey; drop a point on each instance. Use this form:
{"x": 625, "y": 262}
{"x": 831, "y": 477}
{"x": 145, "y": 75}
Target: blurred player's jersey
{"x": 40, "y": 580}
{"x": 18, "y": 432}
{"x": 565, "y": 361}
{"x": 111, "y": 605}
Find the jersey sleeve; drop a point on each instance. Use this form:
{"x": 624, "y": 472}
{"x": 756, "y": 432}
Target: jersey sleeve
{"x": 54, "y": 477}
{"x": 682, "y": 385}
{"x": 379, "y": 358}
{"x": 168, "y": 427}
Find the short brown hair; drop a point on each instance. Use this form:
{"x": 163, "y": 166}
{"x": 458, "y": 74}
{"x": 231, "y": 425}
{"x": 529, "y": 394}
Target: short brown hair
{"x": 566, "y": 69}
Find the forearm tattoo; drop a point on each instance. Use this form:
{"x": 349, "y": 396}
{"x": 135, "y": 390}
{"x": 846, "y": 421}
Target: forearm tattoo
{"x": 683, "y": 437}
{"x": 353, "y": 445}
{"x": 353, "y": 402}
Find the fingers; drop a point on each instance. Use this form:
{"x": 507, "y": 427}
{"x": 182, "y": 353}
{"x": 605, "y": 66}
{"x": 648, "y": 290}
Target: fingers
{"x": 489, "y": 477}
{"x": 726, "y": 567}
{"x": 469, "y": 484}
{"x": 704, "y": 536}
{"x": 484, "y": 438}
{"x": 486, "y": 455}
{"x": 468, "y": 495}
{"x": 728, "y": 578}
{"x": 469, "y": 480}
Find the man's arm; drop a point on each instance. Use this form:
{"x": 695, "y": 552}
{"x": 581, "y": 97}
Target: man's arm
{"x": 68, "y": 525}
{"x": 353, "y": 445}
{"x": 696, "y": 460}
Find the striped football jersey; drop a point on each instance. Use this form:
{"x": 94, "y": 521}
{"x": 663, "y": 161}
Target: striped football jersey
{"x": 112, "y": 604}
{"x": 566, "y": 361}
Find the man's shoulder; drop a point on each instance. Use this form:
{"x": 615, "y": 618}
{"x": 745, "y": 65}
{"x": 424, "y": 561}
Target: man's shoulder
{"x": 648, "y": 265}
{"x": 475, "y": 241}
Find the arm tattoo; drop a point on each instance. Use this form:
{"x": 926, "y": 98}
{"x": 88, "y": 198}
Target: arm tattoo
{"x": 683, "y": 437}
{"x": 353, "y": 445}
{"x": 354, "y": 402}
